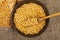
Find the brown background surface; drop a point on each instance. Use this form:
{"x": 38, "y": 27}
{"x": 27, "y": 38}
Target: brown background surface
{"x": 51, "y": 33}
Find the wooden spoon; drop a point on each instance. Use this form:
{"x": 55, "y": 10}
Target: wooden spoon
{"x": 50, "y": 16}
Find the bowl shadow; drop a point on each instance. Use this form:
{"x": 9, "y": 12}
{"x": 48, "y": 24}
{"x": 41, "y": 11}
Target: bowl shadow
{"x": 19, "y": 4}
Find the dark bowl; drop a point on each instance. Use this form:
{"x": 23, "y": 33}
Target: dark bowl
{"x": 19, "y": 4}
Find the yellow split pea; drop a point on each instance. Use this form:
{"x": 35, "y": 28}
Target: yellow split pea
{"x": 27, "y": 18}
{"x": 6, "y": 7}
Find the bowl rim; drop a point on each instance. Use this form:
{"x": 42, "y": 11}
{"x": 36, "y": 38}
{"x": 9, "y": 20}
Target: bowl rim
{"x": 19, "y": 4}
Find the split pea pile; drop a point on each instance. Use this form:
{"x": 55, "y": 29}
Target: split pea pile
{"x": 6, "y": 7}
{"x": 27, "y": 18}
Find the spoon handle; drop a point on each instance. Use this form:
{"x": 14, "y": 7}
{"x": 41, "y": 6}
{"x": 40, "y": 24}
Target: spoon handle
{"x": 50, "y": 16}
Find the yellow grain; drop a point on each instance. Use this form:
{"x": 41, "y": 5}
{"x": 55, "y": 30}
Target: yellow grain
{"x": 26, "y": 18}
{"x": 6, "y": 7}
